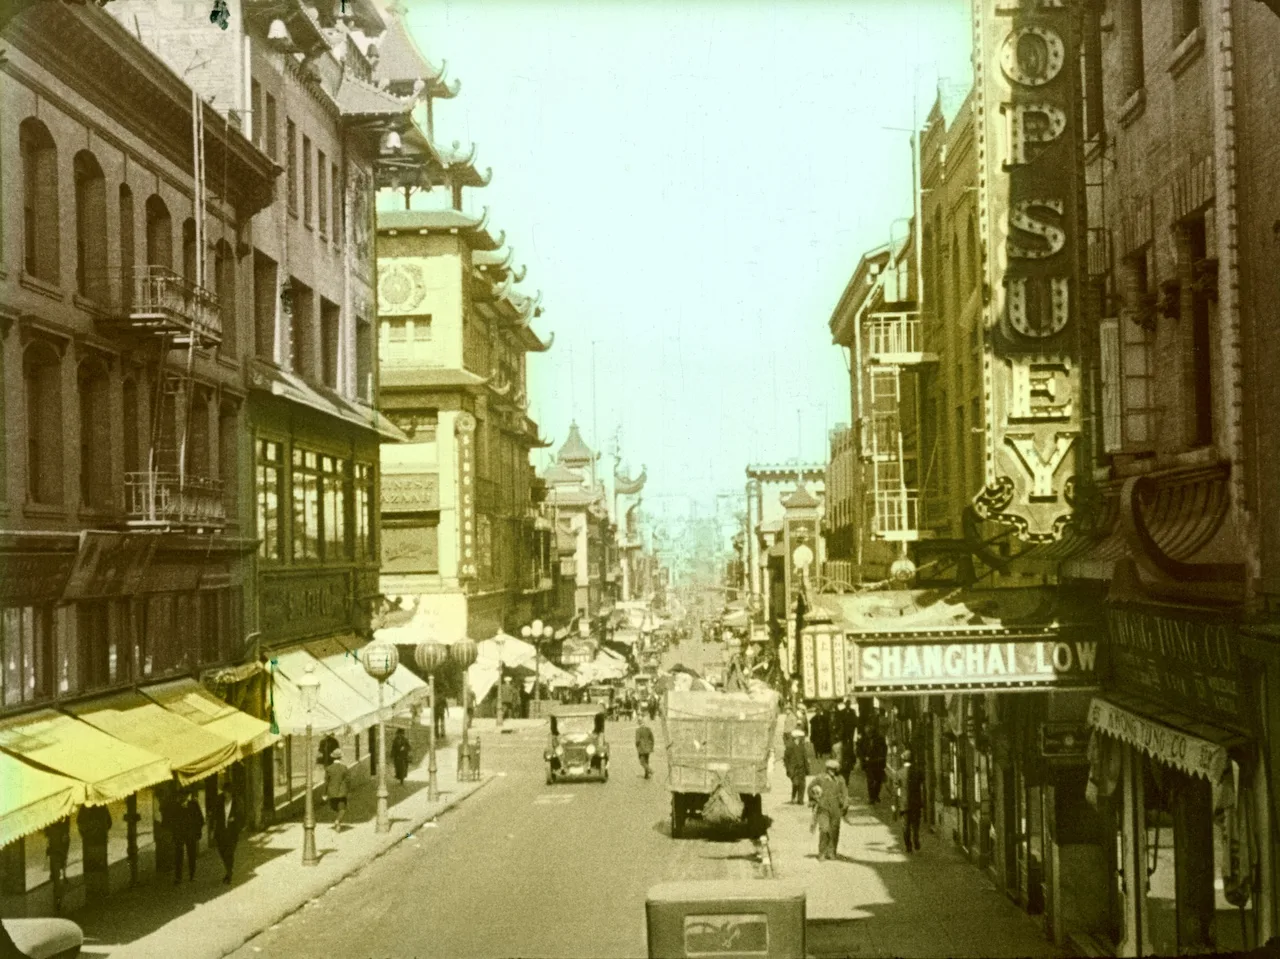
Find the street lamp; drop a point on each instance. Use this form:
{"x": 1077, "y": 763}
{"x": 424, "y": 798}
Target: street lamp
{"x": 463, "y": 654}
{"x": 535, "y": 633}
{"x": 380, "y": 661}
{"x": 430, "y": 657}
{"x": 309, "y": 687}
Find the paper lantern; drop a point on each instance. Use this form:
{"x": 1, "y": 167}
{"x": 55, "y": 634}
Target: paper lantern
{"x": 463, "y": 653}
{"x": 380, "y": 660}
{"x": 430, "y": 657}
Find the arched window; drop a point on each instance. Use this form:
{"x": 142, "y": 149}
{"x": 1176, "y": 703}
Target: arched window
{"x": 198, "y": 435}
{"x": 224, "y": 269}
{"x": 39, "y": 201}
{"x": 93, "y": 387}
{"x": 41, "y": 374}
{"x": 189, "y": 250}
{"x": 132, "y": 427}
{"x": 159, "y": 234}
{"x": 91, "y": 226}
{"x": 127, "y": 251}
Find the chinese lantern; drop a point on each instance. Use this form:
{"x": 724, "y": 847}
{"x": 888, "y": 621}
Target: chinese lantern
{"x": 380, "y": 660}
{"x": 463, "y": 653}
{"x": 430, "y": 657}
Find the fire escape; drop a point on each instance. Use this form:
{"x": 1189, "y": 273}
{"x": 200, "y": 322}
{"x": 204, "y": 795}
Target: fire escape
{"x": 178, "y": 317}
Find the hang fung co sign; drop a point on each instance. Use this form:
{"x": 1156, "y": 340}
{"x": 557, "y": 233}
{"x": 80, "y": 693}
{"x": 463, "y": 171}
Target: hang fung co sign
{"x": 1030, "y": 189}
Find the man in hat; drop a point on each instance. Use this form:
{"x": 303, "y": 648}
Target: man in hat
{"x": 335, "y": 788}
{"x": 796, "y": 762}
{"x": 831, "y": 801}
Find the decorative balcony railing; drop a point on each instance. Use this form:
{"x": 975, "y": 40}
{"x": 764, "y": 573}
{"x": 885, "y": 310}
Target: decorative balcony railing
{"x": 156, "y": 499}
{"x": 155, "y": 299}
{"x": 895, "y": 335}
{"x": 895, "y": 514}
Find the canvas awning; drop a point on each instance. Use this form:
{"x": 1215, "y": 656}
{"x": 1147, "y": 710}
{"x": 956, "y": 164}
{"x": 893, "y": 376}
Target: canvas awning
{"x": 32, "y": 798}
{"x": 193, "y": 702}
{"x": 342, "y": 658}
{"x": 340, "y": 707}
{"x": 108, "y": 768}
{"x": 193, "y": 752}
{"x": 1168, "y": 736}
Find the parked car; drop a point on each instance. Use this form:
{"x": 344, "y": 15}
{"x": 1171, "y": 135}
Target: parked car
{"x": 40, "y": 938}
{"x": 578, "y": 748}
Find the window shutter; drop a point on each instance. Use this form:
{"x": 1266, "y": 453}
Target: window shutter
{"x": 1109, "y": 341}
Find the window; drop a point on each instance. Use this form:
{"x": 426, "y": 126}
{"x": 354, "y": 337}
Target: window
{"x": 198, "y": 464}
{"x": 26, "y": 643}
{"x": 1132, "y": 55}
{"x": 334, "y": 478}
{"x": 159, "y": 234}
{"x": 329, "y": 343}
{"x": 271, "y": 130}
{"x": 405, "y": 340}
{"x": 224, "y": 277}
{"x": 1136, "y": 341}
{"x": 972, "y": 252}
{"x": 302, "y": 344}
{"x": 1186, "y": 19}
{"x": 94, "y": 390}
{"x": 42, "y": 372}
{"x": 127, "y": 251}
{"x": 91, "y": 227}
{"x": 39, "y": 201}
{"x": 322, "y": 192}
{"x": 291, "y": 163}
{"x": 270, "y": 475}
{"x": 336, "y": 196}
{"x": 265, "y": 302}
{"x": 214, "y": 623}
{"x": 255, "y": 116}
{"x": 306, "y": 505}
{"x": 1109, "y": 373}
{"x": 363, "y": 512}
{"x": 94, "y": 642}
{"x": 956, "y": 288}
{"x": 229, "y": 455}
{"x": 189, "y": 252}
{"x": 306, "y": 180}
{"x": 364, "y": 359}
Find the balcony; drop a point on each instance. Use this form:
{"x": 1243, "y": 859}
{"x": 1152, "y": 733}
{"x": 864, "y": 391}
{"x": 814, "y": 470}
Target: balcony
{"x": 895, "y": 515}
{"x": 156, "y": 300}
{"x": 157, "y": 500}
{"x": 839, "y": 575}
{"x": 895, "y": 339}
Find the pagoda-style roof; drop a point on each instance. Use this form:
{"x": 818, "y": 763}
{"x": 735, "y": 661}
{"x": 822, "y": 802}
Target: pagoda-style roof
{"x": 429, "y": 378}
{"x": 629, "y": 487}
{"x": 401, "y": 63}
{"x": 558, "y": 474}
{"x": 359, "y": 99}
{"x": 472, "y": 228}
{"x": 415, "y": 165}
{"x": 800, "y": 498}
{"x": 575, "y": 452}
{"x": 461, "y": 165}
{"x": 496, "y": 264}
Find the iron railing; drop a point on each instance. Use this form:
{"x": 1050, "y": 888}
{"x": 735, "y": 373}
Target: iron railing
{"x": 156, "y": 299}
{"x": 895, "y": 512}
{"x": 159, "y": 499}
{"x": 893, "y": 333}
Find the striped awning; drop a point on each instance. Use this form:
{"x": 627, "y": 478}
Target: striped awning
{"x": 33, "y": 798}
{"x": 193, "y": 702}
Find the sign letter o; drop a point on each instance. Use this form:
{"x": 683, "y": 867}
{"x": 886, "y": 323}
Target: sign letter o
{"x": 1032, "y": 56}
{"x": 1062, "y": 657}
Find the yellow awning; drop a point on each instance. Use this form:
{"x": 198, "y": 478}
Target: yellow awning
{"x": 342, "y": 658}
{"x": 339, "y": 703}
{"x": 109, "y": 769}
{"x": 193, "y": 702}
{"x": 31, "y": 798}
{"x": 193, "y": 752}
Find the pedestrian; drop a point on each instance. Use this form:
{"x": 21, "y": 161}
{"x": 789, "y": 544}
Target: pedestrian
{"x": 653, "y": 708}
{"x": 228, "y": 820}
{"x": 335, "y": 788}
{"x": 644, "y": 746}
{"x": 400, "y": 755}
{"x": 328, "y": 746}
{"x": 912, "y": 779}
{"x": 802, "y": 720}
{"x": 830, "y": 801}
{"x": 795, "y": 760}
{"x": 440, "y": 710}
{"x": 820, "y": 732}
{"x": 875, "y": 756}
{"x": 190, "y": 827}
{"x": 58, "y": 839}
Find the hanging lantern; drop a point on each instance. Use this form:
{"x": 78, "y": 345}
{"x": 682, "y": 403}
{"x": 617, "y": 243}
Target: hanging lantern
{"x": 380, "y": 660}
{"x": 430, "y": 657}
{"x": 463, "y": 653}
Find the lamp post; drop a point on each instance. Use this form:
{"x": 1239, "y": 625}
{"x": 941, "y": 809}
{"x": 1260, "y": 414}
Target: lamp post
{"x": 536, "y": 633}
{"x": 380, "y": 661}
{"x": 430, "y": 656}
{"x": 463, "y": 654}
{"x": 309, "y": 686}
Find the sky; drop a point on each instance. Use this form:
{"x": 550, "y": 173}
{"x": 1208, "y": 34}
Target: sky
{"x": 691, "y": 185}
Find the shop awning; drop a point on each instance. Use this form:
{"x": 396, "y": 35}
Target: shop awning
{"x": 193, "y": 702}
{"x": 108, "y": 768}
{"x": 1173, "y": 738}
{"x": 32, "y": 798}
{"x": 341, "y": 708}
{"x": 193, "y": 751}
{"x": 342, "y": 658}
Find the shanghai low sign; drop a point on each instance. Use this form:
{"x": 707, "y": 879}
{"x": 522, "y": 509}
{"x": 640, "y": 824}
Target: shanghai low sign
{"x": 836, "y": 665}
{"x": 1030, "y": 188}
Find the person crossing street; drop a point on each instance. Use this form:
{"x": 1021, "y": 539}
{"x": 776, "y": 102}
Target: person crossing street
{"x": 644, "y": 746}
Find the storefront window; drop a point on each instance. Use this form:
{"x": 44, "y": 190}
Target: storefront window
{"x": 306, "y": 505}
{"x": 363, "y": 506}
{"x": 269, "y": 468}
{"x": 334, "y": 478}
{"x": 26, "y": 643}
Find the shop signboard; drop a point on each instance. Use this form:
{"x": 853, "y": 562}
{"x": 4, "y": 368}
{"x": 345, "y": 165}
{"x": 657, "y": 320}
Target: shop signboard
{"x": 1173, "y": 747}
{"x": 885, "y": 664}
{"x": 1064, "y": 740}
{"x": 110, "y": 564}
{"x": 1031, "y": 216}
{"x": 31, "y": 578}
{"x": 1186, "y": 663}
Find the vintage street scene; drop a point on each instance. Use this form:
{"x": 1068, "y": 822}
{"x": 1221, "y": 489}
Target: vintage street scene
{"x": 786, "y": 479}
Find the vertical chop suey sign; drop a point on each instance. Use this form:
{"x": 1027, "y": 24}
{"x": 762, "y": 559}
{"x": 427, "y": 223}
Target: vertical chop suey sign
{"x": 1030, "y": 188}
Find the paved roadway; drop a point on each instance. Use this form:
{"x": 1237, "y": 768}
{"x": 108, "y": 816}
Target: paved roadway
{"x": 520, "y": 869}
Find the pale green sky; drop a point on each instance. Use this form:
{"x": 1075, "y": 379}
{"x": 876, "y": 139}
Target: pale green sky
{"x": 691, "y": 185}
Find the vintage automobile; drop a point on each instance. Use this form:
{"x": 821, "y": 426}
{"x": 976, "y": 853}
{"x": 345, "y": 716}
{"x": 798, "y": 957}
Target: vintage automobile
{"x": 578, "y": 747}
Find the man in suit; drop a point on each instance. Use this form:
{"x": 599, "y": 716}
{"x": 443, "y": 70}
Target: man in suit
{"x": 830, "y": 804}
{"x": 228, "y": 820}
{"x": 795, "y": 759}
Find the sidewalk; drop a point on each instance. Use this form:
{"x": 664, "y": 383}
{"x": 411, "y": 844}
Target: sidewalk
{"x": 207, "y": 919}
{"x": 878, "y": 900}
